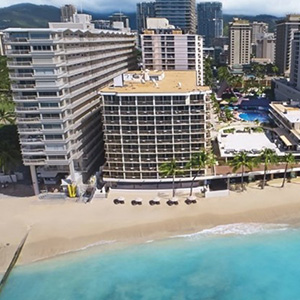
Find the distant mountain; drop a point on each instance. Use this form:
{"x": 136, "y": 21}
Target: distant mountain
{"x": 28, "y": 15}
{"x": 271, "y": 20}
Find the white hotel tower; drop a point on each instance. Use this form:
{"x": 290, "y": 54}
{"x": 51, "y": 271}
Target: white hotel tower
{"x": 56, "y": 74}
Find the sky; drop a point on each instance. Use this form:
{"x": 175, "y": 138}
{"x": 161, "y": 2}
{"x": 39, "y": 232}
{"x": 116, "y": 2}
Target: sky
{"x": 247, "y": 7}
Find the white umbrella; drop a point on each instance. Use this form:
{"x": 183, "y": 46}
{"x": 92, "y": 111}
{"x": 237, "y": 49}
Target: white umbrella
{"x": 191, "y": 198}
{"x": 139, "y": 200}
{"x": 156, "y": 199}
{"x": 121, "y": 198}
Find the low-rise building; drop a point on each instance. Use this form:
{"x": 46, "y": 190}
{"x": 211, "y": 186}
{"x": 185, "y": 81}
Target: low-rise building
{"x": 150, "y": 118}
{"x": 287, "y": 118}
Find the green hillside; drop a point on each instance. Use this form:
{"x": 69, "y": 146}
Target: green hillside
{"x": 28, "y": 15}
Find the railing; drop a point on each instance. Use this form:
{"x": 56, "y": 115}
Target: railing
{"x": 25, "y": 97}
{"x": 23, "y": 86}
{"x": 28, "y": 119}
{"x": 18, "y": 51}
{"x": 37, "y": 130}
{"x": 33, "y": 150}
{"x": 31, "y": 140}
{"x": 26, "y": 108}
{"x": 23, "y": 75}
{"x": 19, "y": 63}
{"x": 34, "y": 161}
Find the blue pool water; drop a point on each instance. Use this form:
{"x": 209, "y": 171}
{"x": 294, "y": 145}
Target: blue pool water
{"x": 232, "y": 262}
{"x": 253, "y": 116}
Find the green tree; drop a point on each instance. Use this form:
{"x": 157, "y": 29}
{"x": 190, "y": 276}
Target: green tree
{"x": 241, "y": 161}
{"x": 208, "y": 74}
{"x": 223, "y": 73}
{"x": 168, "y": 169}
{"x": 212, "y": 162}
{"x": 199, "y": 162}
{"x": 228, "y": 114}
{"x": 9, "y": 157}
{"x": 6, "y": 117}
{"x": 289, "y": 160}
{"x": 267, "y": 157}
{"x": 4, "y": 77}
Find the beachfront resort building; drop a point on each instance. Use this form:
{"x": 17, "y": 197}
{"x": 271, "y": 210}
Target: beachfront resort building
{"x": 152, "y": 117}
{"x": 239, "y": 42}
{"x": 56, "y": 74}
{"x": 170, "y": 49}
{"x": 285, "y": 30}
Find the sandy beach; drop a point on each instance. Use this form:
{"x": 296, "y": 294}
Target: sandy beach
{"x": 60, "y": 226}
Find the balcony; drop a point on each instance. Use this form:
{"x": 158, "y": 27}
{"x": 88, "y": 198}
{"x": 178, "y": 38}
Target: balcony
{"x": 29, "y": 120}
{"x": 22, "y": 109}
{"x": 33, "y": 151}
{"x": 20, "y": 75}
{"x": 24, "y": 98}
{"x": 37, "y": 162}
{"x": 30, "y": 130}
{"x": 22, "y": 86}
{"x": 31, "y": 140}
{"x": 17, "y": 52}
{"x": 19, "y": 63}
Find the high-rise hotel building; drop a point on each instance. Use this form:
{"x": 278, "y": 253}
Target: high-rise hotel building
{"x": 152, "y": 117}
{"x": 210, "y": 21}
{"x": 239, "y": 42}
{"x": 56, "y": 74}
{"x": 180, "y": 13}
{"x": 285, "y": 30}
{"x": 170, "y": 49}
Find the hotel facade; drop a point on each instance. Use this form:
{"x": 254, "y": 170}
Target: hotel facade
{"x": 56, "y": 73}
{"x": 150, "y": 118}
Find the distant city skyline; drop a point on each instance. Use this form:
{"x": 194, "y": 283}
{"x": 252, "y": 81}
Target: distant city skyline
{"x": 246, "y": 7}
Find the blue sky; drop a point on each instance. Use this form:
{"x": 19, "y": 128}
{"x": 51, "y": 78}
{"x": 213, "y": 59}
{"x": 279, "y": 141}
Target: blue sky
{"x": 250, "y": 7}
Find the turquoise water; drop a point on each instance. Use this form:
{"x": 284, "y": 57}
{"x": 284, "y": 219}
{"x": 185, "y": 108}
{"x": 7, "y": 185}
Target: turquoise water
{"x": 251, "y": 262}
{"x": 253, "y": 116}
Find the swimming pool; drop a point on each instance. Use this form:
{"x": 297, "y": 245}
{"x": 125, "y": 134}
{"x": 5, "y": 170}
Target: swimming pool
{"x": 252, "y": 116}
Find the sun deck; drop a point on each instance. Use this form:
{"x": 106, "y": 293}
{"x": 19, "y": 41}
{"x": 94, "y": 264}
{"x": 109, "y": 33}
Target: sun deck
{"x": 173, "y": 82}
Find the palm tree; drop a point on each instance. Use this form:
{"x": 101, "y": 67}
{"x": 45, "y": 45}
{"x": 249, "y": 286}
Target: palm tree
{"x": 289, "y": 160}
{"x": 223, "y": 73}
{"x": 9, "y": 157}
{"x": 212, "y": 162}
{"x": 241, "y": 160}
{"x": 199, "y": 161}
{"x": 267, "y": 157}
{"x": 170, "y": 169}
{"x": 6, "y": 117}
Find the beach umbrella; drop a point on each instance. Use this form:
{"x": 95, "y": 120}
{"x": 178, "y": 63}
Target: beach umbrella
{"x": 139, "y": 200}
{"x": 156, "y": 199}
{"x": 121, "y": 198}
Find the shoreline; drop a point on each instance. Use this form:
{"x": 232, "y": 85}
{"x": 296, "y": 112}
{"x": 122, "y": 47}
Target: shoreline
{"x": 62, "y": 228}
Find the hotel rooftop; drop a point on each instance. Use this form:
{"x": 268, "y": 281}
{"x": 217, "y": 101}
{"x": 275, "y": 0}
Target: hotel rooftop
{"x": 147, "y": 82}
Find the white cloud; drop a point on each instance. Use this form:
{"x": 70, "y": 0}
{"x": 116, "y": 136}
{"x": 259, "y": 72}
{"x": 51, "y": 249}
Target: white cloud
{"x": 247, "y": 7}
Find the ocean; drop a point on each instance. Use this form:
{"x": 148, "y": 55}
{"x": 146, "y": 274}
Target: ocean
{"x": 230, "y": 262}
